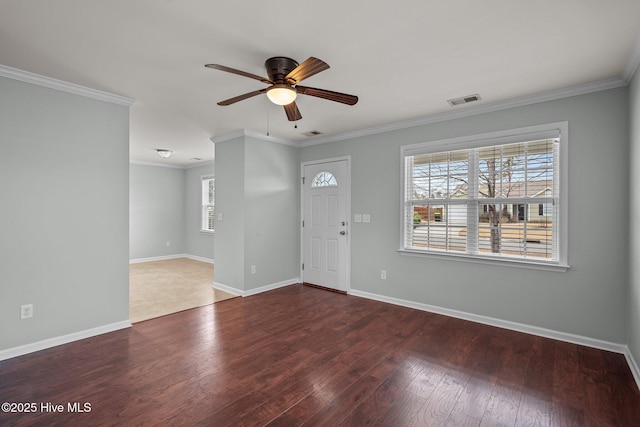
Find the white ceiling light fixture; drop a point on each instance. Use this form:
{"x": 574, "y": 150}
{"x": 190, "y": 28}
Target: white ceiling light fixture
{"x": 164, "y": 153}
{"x": 281, "y": 94}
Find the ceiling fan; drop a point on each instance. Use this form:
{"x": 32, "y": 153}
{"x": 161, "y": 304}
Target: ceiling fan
{"x": 284, "y": 76}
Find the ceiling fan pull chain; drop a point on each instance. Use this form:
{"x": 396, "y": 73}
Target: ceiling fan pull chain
{"x": 267, "y": 104}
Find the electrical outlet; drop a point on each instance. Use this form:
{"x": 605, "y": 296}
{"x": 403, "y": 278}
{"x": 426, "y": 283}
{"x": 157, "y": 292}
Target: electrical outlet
{"x": 253, "y": 269}
{"x": 168, "y": 243}
{"x": 366, "y": 218}
{"x": 26, "y": 311}
{"x": 383, "y": 274}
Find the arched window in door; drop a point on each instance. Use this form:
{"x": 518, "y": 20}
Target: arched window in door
{"x": 324, "y": 179}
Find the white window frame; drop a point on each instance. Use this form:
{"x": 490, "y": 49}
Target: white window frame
{"x": 530, "y": 133}
{"x": 204, "y": 188}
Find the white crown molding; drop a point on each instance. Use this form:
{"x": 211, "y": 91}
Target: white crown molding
{"x": 522, "y": 101}
{"x": 64, "y": 339}
{"x": 167, "y": 165}
{"x": 253, "y": 134}
{"x": 197, "y": 165}
{"x": 51, "y": 83}
{"x": 226, "y": 137}
{"x": 475, "y": 110}
{"x": 160, "y": 165}
{"x": 632, "y": 64}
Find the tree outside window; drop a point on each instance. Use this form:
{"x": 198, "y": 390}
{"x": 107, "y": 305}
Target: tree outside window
{"x": 495, "y": 200}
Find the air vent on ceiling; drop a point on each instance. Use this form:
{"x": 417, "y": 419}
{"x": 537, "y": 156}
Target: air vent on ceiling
{"x": 464, "y": 100}
{"x": 312, "y": 133}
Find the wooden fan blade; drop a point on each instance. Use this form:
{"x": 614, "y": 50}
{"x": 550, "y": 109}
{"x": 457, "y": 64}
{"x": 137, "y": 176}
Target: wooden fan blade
{"x": 307, "y": 69}
{"x": 241, "y": 97}
{"x": 238, "y": 72}
{"x": 292, "y": 111}
{"x": 328, "y": 94}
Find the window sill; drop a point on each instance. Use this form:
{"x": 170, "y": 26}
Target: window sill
{"x": 510, "y": 262}
{"x": 208, "y": 232}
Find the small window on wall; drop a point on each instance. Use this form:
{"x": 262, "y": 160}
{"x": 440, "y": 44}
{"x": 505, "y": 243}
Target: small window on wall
{"x": 208, "y": 203}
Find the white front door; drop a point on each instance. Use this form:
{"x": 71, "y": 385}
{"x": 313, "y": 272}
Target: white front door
{"x": 325, "y": 227}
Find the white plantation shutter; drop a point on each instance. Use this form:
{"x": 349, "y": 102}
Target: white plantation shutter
{"x": 482, "y": 196}
{"x": 208, "y": 203}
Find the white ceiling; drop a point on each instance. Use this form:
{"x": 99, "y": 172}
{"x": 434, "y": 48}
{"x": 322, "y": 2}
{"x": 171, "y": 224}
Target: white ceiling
{"x": 404, "y": 59}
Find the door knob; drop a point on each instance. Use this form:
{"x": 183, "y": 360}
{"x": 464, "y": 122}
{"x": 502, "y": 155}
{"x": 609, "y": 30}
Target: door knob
{"x": 342, "y": 233}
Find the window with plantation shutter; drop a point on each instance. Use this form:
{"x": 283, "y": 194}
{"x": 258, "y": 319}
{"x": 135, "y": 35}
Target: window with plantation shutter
{"x": 496, "y": 197}
{"x": 208, "y": 203}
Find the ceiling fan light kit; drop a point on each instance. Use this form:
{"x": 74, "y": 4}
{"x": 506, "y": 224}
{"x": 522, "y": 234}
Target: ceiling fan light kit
{"x": 284, "y": 75}
{"x": 281, "y": 94}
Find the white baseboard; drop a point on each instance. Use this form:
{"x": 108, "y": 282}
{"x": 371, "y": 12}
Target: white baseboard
{"x": 514, "y": 326}
{"x": 156, "y": 258}
{"x": 174, "y": 256}
{"x": 633, "y": 365}
{"x": 64, "y": 339}
{"x": 505, "y": 324}
{"x": 226, "y": 288}
{"x": 270, "y": 287}
{"x": 199, "y": 258}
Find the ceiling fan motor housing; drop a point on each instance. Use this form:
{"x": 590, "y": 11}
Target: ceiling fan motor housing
{"x": 278, "y": 67}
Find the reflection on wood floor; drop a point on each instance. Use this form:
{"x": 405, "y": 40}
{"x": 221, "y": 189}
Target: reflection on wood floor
{"x": 303, "y": 356}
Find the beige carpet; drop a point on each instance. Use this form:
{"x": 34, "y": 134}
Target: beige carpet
{"x": 159, "y": 288}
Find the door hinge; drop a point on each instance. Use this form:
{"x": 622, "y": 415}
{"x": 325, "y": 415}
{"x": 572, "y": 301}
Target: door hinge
{"x": 303, "y": 222}
{"x": 303, "y": 180}
{"x": 303, "y": 265}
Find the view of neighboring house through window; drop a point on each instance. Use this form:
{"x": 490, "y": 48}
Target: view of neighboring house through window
{"x": 208, "y": 203}
{"x": 487, "y": 198}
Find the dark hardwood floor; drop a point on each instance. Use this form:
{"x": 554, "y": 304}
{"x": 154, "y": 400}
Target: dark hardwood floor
{"x": 304, "y": 356}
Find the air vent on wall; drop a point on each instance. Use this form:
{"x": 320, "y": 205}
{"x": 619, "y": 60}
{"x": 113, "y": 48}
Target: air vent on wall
{"x": 464, "y": 100}
{"x": 312, "y": 133}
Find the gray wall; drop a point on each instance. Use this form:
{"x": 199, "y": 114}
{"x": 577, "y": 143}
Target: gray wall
{"x": 165, "y": 206}
{"x": 64, "y": 209}
{"x": 229, "y": 241}
{"x": 588, "y": 300}
{"x": 633, "y": 336}
{"x": 272, "y": 212}
{"x": 157, "y": 211}
{"x": 257, "y": 192}
{"x": 198, "y": 243}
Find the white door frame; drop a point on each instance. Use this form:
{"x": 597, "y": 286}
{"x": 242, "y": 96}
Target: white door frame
{"x": 348, "y": 213}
